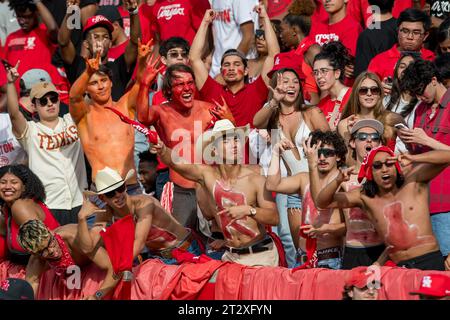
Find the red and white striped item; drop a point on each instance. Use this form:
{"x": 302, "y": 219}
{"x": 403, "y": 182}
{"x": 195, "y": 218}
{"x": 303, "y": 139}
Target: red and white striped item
{"x": 167, "y": 197}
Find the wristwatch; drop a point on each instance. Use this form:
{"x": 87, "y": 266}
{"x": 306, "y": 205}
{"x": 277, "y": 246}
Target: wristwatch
{"x": 252, "y": 212}
{"x": 99, "y": 295}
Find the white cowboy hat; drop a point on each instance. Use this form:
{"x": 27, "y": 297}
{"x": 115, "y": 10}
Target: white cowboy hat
{"x": 221, "y": 128}
{"x": 109, "y": 179}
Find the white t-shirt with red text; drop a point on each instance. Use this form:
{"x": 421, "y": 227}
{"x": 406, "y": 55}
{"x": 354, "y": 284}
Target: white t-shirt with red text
{"x": 10, "y": 150}
{"x": 226, "y": 27}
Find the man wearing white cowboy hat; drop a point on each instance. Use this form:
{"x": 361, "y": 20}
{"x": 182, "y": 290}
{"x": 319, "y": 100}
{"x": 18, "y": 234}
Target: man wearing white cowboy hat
{"x": 244, "y": 206}
{"x": 154, "y": 227}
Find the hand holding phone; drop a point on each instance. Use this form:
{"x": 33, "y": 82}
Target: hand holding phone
{"x": 400, "y": 126}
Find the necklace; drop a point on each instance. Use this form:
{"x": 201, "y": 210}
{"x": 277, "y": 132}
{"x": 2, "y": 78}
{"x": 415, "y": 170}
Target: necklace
{"x": 287, "y": 114}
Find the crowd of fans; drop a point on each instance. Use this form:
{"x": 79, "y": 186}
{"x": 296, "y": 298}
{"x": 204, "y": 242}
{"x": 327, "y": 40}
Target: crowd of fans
{"x": 297, "y": 133}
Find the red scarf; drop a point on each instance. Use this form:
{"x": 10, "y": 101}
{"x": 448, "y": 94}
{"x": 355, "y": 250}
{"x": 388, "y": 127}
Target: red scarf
{"x": 311, "y": 252}
{"x": 366, "y": 167}
{"x": 60, "y": 266}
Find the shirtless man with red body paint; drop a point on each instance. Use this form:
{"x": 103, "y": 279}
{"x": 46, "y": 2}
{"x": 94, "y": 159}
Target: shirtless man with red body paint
{"x": 179, "y": 122}
{"x": 397, "y": 204}
{"x": 243, "y": 205}
{"x": 325, "y": 226}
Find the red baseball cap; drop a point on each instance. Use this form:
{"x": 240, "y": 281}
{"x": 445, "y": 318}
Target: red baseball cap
{"x": 436, "y": 285}
{"x": 98, "y": 21}
{"x": 284, "y": 60}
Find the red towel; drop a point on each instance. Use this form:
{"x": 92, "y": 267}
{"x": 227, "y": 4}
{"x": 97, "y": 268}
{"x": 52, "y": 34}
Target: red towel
{"x": 119, "y": 240}
{"x": 276, "y": 239}
{"x": 311, "y": 251}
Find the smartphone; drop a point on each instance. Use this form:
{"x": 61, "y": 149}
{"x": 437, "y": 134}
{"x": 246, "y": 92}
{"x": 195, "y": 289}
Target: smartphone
{"x": 400, "y": 126}
{"x": 6, "y": 64}
{"x": 389, "y": 80}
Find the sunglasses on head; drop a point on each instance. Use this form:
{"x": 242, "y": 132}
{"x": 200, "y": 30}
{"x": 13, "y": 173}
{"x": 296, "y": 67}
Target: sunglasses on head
{"x": 44, "y": 100}
{"x": 176, "y": 54}
{"x": 377, "y": 165}
{"x": 362, "y": 136}
{"x": 376, "y": 91}
{"x": 326, "y": 152}
{"x": 112, "y": 193}
{"x": 259, "y": 33}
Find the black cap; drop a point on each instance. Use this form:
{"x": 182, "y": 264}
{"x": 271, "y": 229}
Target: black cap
{"x": 16, "y": 289}
{"x": 110, "y": 12}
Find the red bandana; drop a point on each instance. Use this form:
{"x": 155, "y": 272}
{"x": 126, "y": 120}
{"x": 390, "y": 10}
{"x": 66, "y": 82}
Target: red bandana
{"x": 60, "y": 266}
{"x": 366, "y": 167}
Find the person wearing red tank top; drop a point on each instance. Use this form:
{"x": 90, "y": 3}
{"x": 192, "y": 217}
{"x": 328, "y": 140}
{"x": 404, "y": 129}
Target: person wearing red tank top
{"x": 23, "y": 196}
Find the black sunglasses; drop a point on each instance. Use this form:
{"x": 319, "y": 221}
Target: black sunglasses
{"x": 259, "y": 33}
{"x": 326, "y": 152}
{"x": 362, "y": 136}
{"x": 112, "y": 193}
{"x": 376, "y": 91}
{"x": 175, "y": 54}
{"x": 44, "y": 251}
{"x": 44, "y": 100}
{"x": 377, "y": 165}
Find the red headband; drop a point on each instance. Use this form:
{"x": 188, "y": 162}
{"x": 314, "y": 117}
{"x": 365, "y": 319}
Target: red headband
{"x": 366, "y": 167}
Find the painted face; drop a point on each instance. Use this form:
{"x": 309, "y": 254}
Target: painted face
{"x": 365, "y": 139}
{"x": 411, "y": 36}
{"x": 333, "y": 6}
{"x": 99, "y": 40}
{"x": 325, "y": 74}
{"x": 50, "y": 249}
{"x": 47, "y": 107}
{"x": 27, "y": 20}
{"x": 11, "y": 187}
{"x": 404, "y": 63}
{"x": 147, "y": 175}
{"x": 99, "y": 88}
{"x": 445, "y": 45}
{"x": 384, "y": 171}
{"x": 176, "y": 56}
{"x": 233, "y": 69}
{"x": 364, "y": 293}
{"x": 369, "y": 98}
{"x": 231, "y": 147}
{"x": 327, "y": 159}
{"x": 292, "y": 86}
{"x": 183, "y": 89}
{"x": 428, "y": 94}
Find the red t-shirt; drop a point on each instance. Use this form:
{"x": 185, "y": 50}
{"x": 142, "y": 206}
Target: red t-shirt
{"x": 347, "y": 31}
{"x": 34, "y": 50}
{"x": 117, "y": 51}
{"x": 358, "y": 9}
{"x": 327, "y": 106}
{"x": 178, "y": 18}
{"x": 319, "y": 13}
{"x": 2, "y": 76}
{"x": 383, "y": 64}
{"x": 243, "y": 104}
{"x": 145, "y": 12}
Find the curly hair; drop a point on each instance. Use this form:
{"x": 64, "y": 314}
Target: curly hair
{"x": 418, "y": 75}
{"x": 336, "y": 54}
{"x": 22, "y": 5}
{"x": 332, "y": 138}
{"x": 34, "y": 189}
{"x": 31, "y": 235}
{"x": 302, "y": 7}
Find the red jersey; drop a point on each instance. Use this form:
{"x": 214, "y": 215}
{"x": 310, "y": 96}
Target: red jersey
{"x": 359, "y": 9}
{"x": 243, "y": 104}
{"x": 327, "y": 106}
{"x": 323, "y": 32}
{"x": 437, "y": 127}
{"x": 178, "y": 18}
{"x": 34, "y": 50}
{"x": 383, "y": 64}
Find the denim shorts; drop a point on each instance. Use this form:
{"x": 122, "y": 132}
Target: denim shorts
{"x": 440, "y": 223}
{"x": 294, "y": 201}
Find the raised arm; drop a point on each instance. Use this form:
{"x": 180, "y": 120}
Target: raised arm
{"x": 193, "y": 172}
{"x": 68, "y": 51}
{"x": 262, "y": 117}
{"x": 430, "y": 164}
{"x": 135, "y": 32}
{"x": 48, "y": 20}
{"x": 274, "y": 182}
{"x": 195, "y": 54}
{"x": 77, "y": 105}
{"x": 329, "y": 197}
{"x": 271, "y": 40}
{"x": 19, "y": 123}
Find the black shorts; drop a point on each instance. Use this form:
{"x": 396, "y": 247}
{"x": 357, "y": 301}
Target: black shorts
{"x": 66, "y": 216}
{"x": 429, "y": 261}
{"x": 356, "y": 257}
{"x": 184, "y": 207}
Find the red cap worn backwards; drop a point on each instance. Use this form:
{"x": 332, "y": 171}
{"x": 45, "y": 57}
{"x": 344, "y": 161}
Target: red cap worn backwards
{"x": 98, "y": 21}
{"x": 288, "y": 60}
{"x": 366, "y": 167}
{"x": 436, "y": 285}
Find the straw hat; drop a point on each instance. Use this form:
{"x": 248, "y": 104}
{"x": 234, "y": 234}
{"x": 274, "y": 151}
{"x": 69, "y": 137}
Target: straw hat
{"x": 109, "y": 179}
